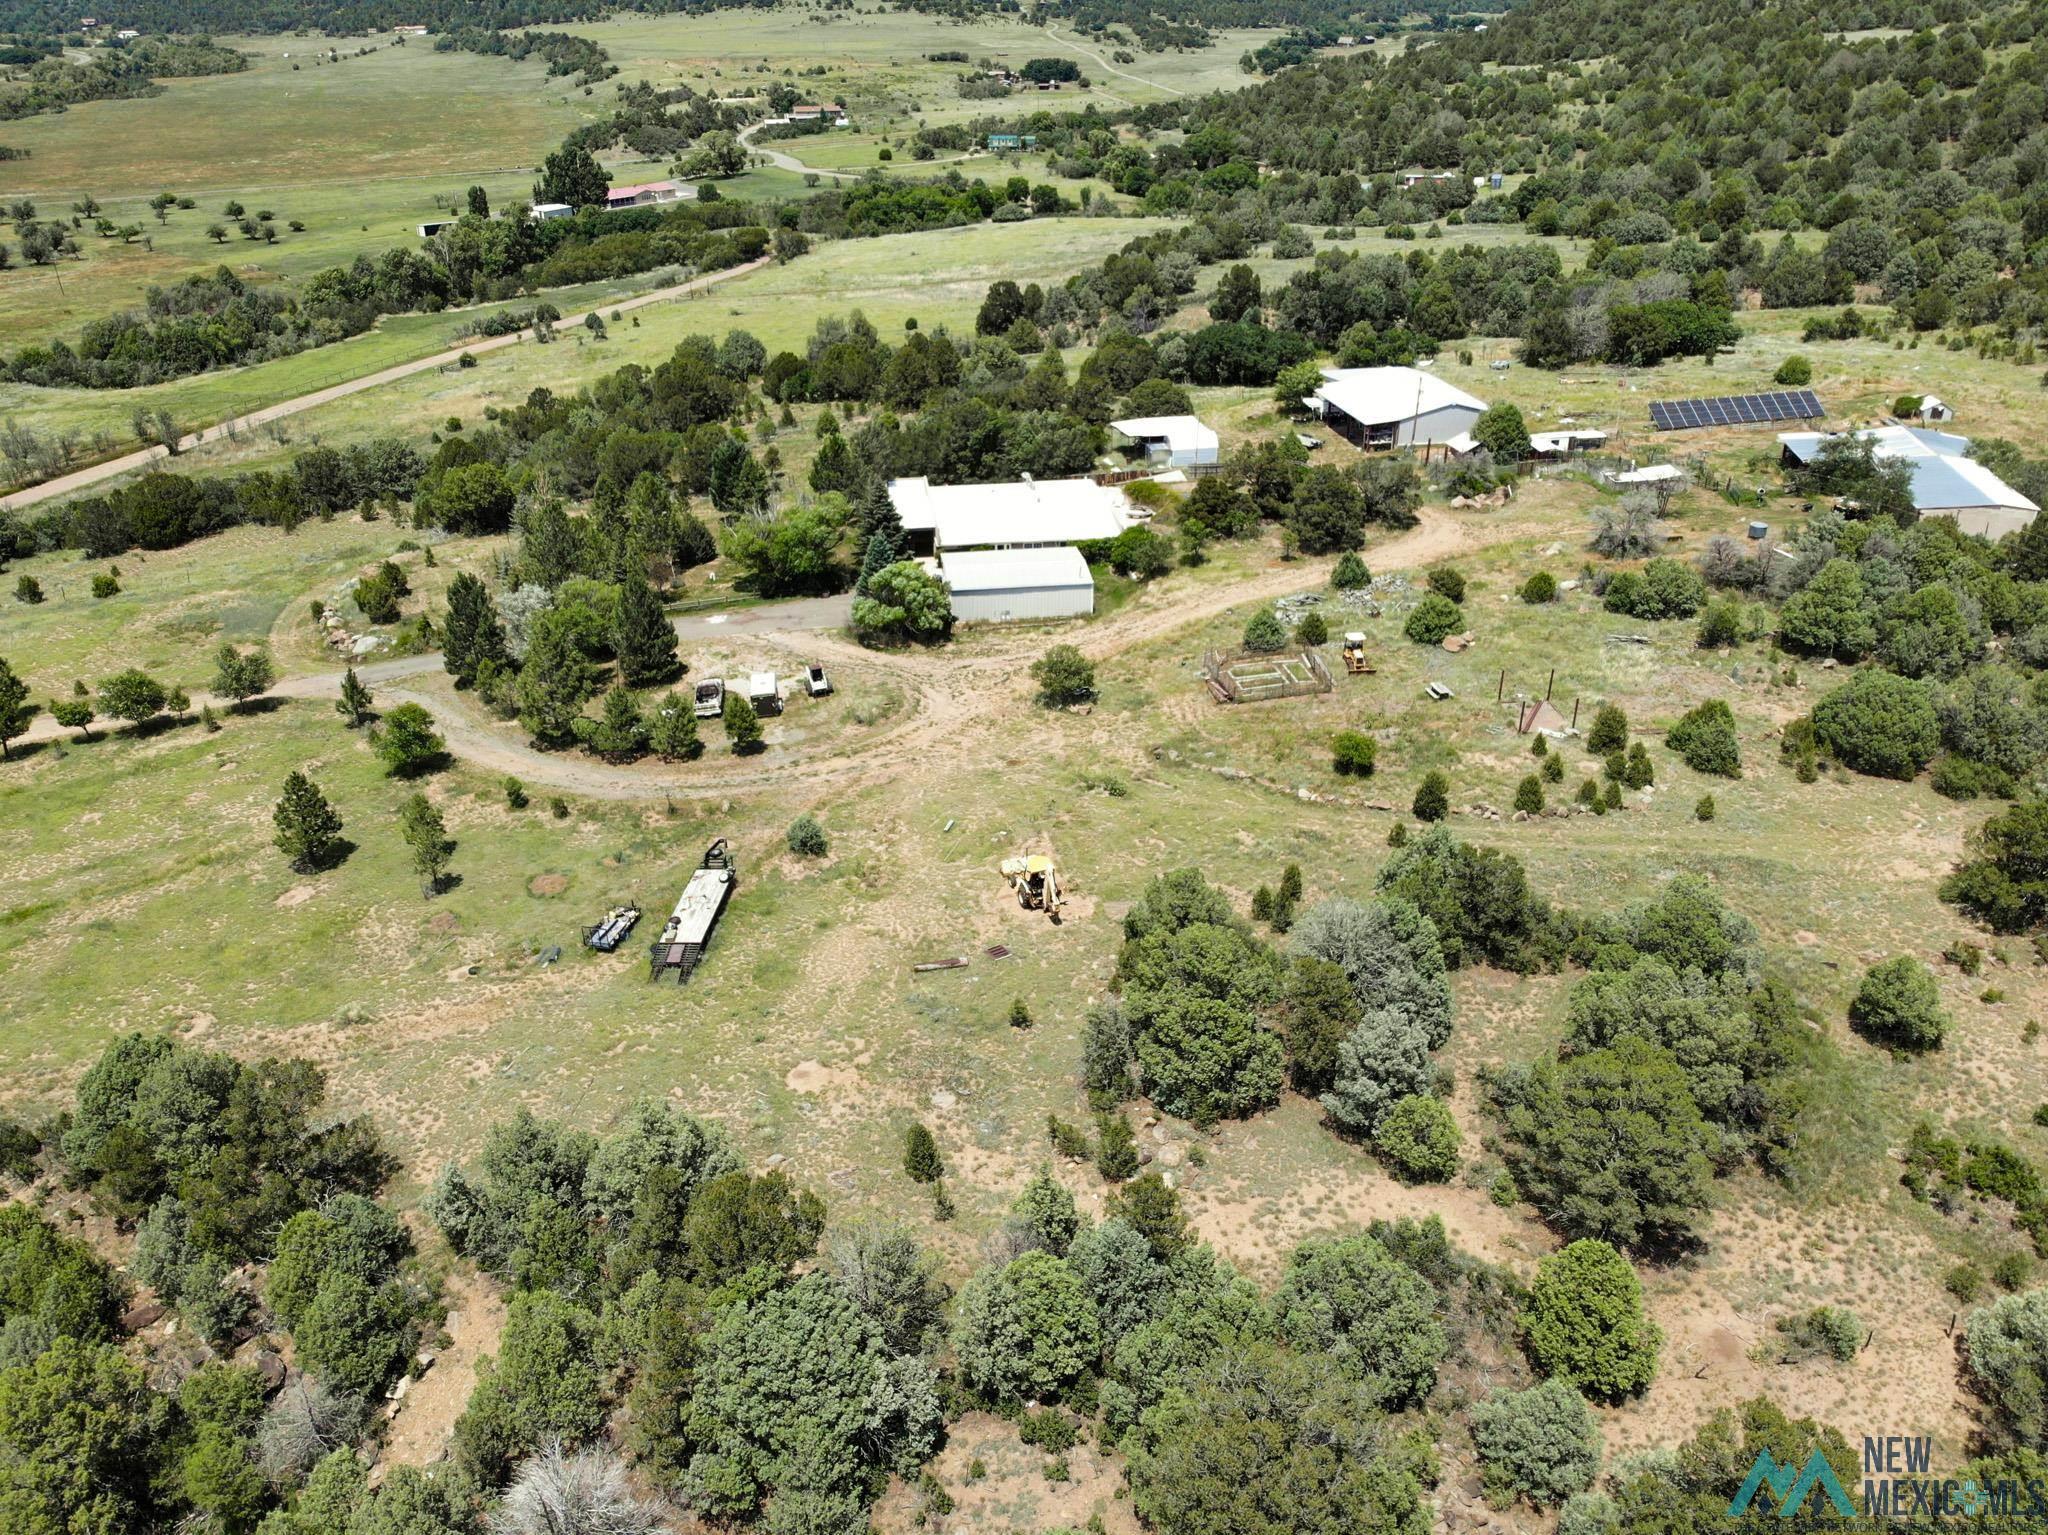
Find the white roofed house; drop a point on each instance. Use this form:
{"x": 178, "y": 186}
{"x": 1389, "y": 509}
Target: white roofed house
{"x": 1169, "y": 442}
{"x": 1946, "y": 481}
{"x": 1393, "y": 407}
{"x": 1017, "y": 514}
{"x": 1005, "y": 585}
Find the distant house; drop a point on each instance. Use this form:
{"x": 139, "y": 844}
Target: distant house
{"x": 813, "y": 112}
{"x": 87, "y": 23}
{"x": 1005, "y": 585}
{"x": 1946, "y": 481}
{"x": 1393, "y": 407}
{"x": 127, "y": 32}
{"x": 1417, "y": 178}
{"x": 433, "y": 227}
{"x": 648, "y": 192}
{"x": 541, "y": 212}
{"x": 410, "y": 29}
{"x": 1001, "y": 141}
{"x": 1019, "y": 514}
{"x": 1169, "y": 442}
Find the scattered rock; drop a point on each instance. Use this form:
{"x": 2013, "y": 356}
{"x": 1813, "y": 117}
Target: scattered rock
{"x": 271, "y": 1369}
{"x": 943, "y": 1100}
{"x": 148, "y": 1314}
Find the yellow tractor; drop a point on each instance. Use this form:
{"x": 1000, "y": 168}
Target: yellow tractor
{"x": 1354, "y": 653}
{"x": 1036, "y": 882}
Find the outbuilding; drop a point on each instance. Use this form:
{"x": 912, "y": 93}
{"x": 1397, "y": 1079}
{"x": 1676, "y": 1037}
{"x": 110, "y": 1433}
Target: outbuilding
{"x": 1005, "y": 585}
{"x": 542, "y": 212}
{"x": 1946, "y": 481}
{"x": 1169, "y": 442}
{"x": 1013, "y": 514}
{"x": 647, "y": 192}
{"x": 1393, "y": 407}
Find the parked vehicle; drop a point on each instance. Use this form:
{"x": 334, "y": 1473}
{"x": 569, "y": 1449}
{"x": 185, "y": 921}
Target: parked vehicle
{"x": 820, "y": 685}
{"x": 710, "y": 699}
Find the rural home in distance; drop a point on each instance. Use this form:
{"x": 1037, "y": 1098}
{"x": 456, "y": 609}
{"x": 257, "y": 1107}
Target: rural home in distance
{"x": 1393, "y": 407}
{"x": 1947, "y": 482}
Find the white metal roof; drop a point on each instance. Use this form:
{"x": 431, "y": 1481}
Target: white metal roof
{"x": 1182, "y": 434}
{"x": 1002, "y": 570}
{"x": 1649, "y": 475}
{"x": 1944, "y": 479}
{"x": 1561, "y": 442}
{"x": 1375, "y": 396}
{"x": 1016, "y": 512}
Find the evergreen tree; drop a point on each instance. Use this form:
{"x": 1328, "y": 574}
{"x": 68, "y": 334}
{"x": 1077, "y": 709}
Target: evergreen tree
{"x": 921, "y": 1158}
{"x": 15, "y": 709}
{"x": 427, "y": 835}
{"x": 549, "y": 549}
{"x": 1433, "y": 798}
{"x": 553, "y": 683}
{"x": 882, "y": 551}
{"x": 308, "y": 830}
{"x": 742, "y": 725}
{"x": 473, "y": 634}
{"x": 672, "y": 729}
{"x": 645, "y": 641}
{"x": 621, "y": 733}
{"x": 354, "y": 703}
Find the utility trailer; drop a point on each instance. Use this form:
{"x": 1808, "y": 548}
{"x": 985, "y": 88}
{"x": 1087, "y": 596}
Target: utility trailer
{"x": 607, "y": 935}
{"x": 681, "y": 945}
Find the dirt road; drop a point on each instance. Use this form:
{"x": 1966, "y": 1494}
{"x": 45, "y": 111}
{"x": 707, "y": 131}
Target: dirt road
{"x": 93, "y": 474}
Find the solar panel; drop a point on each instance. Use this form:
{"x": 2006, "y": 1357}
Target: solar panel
{"x": 1736, "y": 410}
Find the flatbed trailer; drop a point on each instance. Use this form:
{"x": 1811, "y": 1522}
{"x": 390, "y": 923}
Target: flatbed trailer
{"x": 688, "y": 930}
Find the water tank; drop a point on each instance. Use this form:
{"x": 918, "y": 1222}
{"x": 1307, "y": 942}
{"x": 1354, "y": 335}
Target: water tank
{"x": 1759, "y": 531}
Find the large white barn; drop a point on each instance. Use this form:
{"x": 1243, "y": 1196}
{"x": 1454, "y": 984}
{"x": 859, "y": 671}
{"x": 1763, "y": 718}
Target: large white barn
{"x": 1393, "y": 407}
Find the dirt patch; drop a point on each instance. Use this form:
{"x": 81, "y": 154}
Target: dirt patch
{"x": 547, "y": 886}
{"x": 424, "y": 1421}
{"x": 1013, "y": 1492}
{"x": 298, "y": 895}
{"x": 816, "y": 1077}
{"x": 443, "y": 922}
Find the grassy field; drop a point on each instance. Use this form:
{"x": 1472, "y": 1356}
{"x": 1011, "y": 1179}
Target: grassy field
{"x": 142, "y": 892}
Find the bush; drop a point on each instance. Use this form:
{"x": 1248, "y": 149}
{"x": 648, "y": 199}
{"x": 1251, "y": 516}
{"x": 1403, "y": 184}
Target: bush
{"x": 1829, "y": 1330}
{"x": 1265, "y": 634}
{"x": 1960, "y": 778}
{"x": 1664, "y": 588}
{"x": 1540, "y": 1444}
{"x": 807, "y": 838}
{"x": 1704, "y": 739}
{"x": 1704, "y": 810}
{"x": 1350, "y": 574}
{"x": 1433, "y": 620}
{"x": 2004, "y": 881}
{"x": 1432, "y": 798}
{"x": 1353, "y": 752}
{"x": 2005, "y": 1348}
{"x": 105, "y": 584}
{"x": 1899, "y": 1005}
{"x": 1447, "y": 581}
{"x": 1311, "y": 631}
{"x": 1419, "y": 1135}
{"x": 1720, "y": 626}
{"x": 1584, "y": 1322}
{"x": 1879, "y": 723}
{"x": 1609, "y": 732}
{"x": 1529, "y": 795}
{"x": 1794, "y": 372}
{"x": 1064, "y": 676}
{"x": 1540, "y": 587}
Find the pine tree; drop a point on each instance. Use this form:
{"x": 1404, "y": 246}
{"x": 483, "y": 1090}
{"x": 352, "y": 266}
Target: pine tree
{"x": 15, "y": 709}
{"x": 1116, "y": 1148}
{"x": 354, "y": 703}
{"x": 672, "y": 729}
{"x": 548, "y": 547}
{"x": 621, "y": 733}
{"x": 921, "y": 1158}
{"x": 742, "y": 725}
{"x": 645, "y": 641}
{"x": 427, "y": 835}
{"x": 472, "y": 635}
{"x": 882, "y": 552}
{"x": 1433, "y": 798}
{"x": 553, "y": 683}
{"x": 308, "y": 830}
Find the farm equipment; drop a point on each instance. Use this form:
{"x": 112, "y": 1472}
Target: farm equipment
{"x": 1036, "y": 882}
{"x": 681, "y": 945}
{"x": 1354, "y": 653}
{"x": 764, "y": 693}
{"x": 710, "y": 699}
{"x": 816, "y": 681}
{"x": 611, "y": 932}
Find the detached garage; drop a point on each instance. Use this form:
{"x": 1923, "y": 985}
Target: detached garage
{"x": 993, "y": 586}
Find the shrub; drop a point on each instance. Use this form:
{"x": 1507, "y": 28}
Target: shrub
{"x": 1960, "y": 778}
{"x": 1353, "y": 752}
{"x": 1704, "y": 739}
{"x": 1541, "y": 587}
{"x": 2004, "y": 881}
{"x": 1264, "y": 633}
{"x": 1447, "y": 581}
{"x": 1794, "y": 372}
{"x": 921, "y": 1159}
{"x": 1584, "y": 1321}
{"x": 1419, "y": 1135}
{"x": 1899, "y": 1005}
{"x": 1704, "y": 810}
{"x": 1433, "y": 620}
{"x": 2005, "y": 1347}
{"x": 1829, "y": 1330}
{"x": 1064, "y": 676}
{"x": 1432, "y": 798}
{"x": 106, "y": 585}
{"x": 1540, "y": 1444}
{"x": 1311, "y": 631}
{"x": 1720, "y": 625}
{"x": 1609, "y": 731}
{"x": 1529, "y": 795}
{"x": 1879, "y": 723}
{"x": 1553, "y": 768}
{"x": 806, "y": 837}
{"x": 1636, "y": 771}
{"x": 1350, "y": 574}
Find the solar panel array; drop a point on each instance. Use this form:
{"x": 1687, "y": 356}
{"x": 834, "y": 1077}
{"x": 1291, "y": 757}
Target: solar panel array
{"x": 1736, "y": 410}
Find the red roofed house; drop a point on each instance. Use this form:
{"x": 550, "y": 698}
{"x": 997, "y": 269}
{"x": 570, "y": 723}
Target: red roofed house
{"x": 647, "y": 192}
